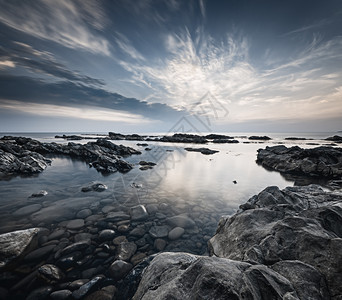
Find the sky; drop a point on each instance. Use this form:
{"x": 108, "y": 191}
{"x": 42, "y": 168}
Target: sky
{"x": 170, "y": 65}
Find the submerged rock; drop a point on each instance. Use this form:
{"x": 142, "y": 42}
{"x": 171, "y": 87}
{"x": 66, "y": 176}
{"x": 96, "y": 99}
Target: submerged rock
{"x": 317, "y": 162}
{"x": 260, "y": 138}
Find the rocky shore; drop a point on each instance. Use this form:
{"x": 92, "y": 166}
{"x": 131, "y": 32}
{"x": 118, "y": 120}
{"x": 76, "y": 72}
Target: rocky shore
{"x": 21, "y": 155}
{"x": 111, "y": 253}
{"x": 320, "y": 162}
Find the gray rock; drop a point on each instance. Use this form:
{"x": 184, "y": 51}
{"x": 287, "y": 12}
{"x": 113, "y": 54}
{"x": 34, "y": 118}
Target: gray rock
{"x": 39, "y": 253}
{"x": 80, "y": 237}
{"x": 181, "y": 221}
{"x": 106, "y": 235}
{"x": 116, "y": 216}
{"x": 139, "y": 212}
{"x": 297, "y": 223}
{"x": 40, "y": 293}
{"x": 75, "y": 224}
{"x": 119, "y": 269}
{"x": 159, "y": 231}
{"x": 84, "y": 213}
{"x": 26, "y": 210}
{"x": 79, "y": 246}
{"x": 159, "y": 244}
{"x": 126, "y": 250}
{"x": 186, "y": 276}
{"x": 87, "y": 288}
{"x": 176, "y": 233}
{"x": 16, "y": 244}
{"x": 56, "y": 234}
{"x": 138, "y": 231}
{"x": 205, "y": 151}
{"x": 50, "y": 273}
{"x": 61, "y": 295}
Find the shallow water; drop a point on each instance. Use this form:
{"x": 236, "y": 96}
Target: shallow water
{"x": 182, "y": 179}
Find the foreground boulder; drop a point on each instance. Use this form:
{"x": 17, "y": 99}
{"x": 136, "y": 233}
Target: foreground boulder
{"x": 284, "y": 229}
{"x": 320, "y": 162}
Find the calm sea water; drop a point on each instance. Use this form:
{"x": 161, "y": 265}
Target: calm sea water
{"x": 180, "y": 178}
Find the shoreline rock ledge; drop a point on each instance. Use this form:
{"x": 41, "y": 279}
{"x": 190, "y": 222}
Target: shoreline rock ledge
{"x": 281, "y": 244}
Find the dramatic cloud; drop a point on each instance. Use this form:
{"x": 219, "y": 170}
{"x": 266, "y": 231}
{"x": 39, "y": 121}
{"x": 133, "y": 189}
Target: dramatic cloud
{"x": 75, "y": 24}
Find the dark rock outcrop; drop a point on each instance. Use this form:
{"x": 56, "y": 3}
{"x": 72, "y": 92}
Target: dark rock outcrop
{"x": 323, "y": 162}
{"x": 335, "y": 138}
{"x": 205, "y": 151}
{"x": 20, "y": 155}
{"x": 259, "y": 138}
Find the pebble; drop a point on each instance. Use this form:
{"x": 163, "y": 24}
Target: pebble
{"x": 138, "y": 212}
{"x": 61, "y": 295}
{"x": 79, "y": 246}
{"x": 84, "y": 213}
{"x": 176, "y": 233}
{"x": 50, "y": 273}
{"x": 77, "y": 283}
{"x": 137, "y": 258}
{"x": 159, "y": 231}
{"x": 87, "y": 288}
{"x": 181, "y": 221}
{"x": 120, "y": 239}
{"x": 75, "y": 224}
{"x": 159, "y": 244}
{"x": 39, "y": 253}
{"x": 41, "y": 193}
{"x": 79, "y": 237}
{"x": 123, "y": 228}
{"x": 116, "y": 216}
{"x": 138, "y": 231}
{"x": 56, "y": 234}
{"x": 126, "y": 250}
{"x": 40, "y": 293}
{"x": 106, "y": 235}
{"x": 119, "y": 269}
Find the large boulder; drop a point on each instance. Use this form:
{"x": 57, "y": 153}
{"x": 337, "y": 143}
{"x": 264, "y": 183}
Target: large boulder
{"x": 186, "y": 276}
{"x": 297, "y": 223}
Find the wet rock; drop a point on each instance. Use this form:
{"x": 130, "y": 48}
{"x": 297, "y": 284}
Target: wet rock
{"x": 87, "y": 288}
{"x": 119, "y": 269}
{"x": 40, "y": 293}
{"x": 75, "y": 224}
{"x": 84, "y": 213}
{"x": 15, "y": 244}
{"x": 138, "y": 212}
{"x": 69, "y": 260}
{"x": 186, "y": 276}
{"x": 96, "y": 187}
{"x": 137, "y": 258}
{"x": 321, "y": 162}
{"x": 183, "y": 138}
{"x": 39, "y": 253}
{"x": 76, "y": 284}
{"x": 138, "y": 231}
{"x": 223, "y": 141}
{"x": 126, "y": 250}
{"x": 80, "y": 237}
{"x": 100, "y": 295}
{"x": 205, "y": 151}
{"x": 176, "y": 233}
{"x": 116, "y": 216}
{"x": 50, "y": 273}
{"x": 146, "y": 165}
{"x": 79, "y": 246}
{"x": 61, "y": 295}
{"x": 297, "y": 223}
{"x": 335, "y": 138}
{"x": 159, "y": 231}
{"x": 56, "y": 234}
{"x": 120, "y": 239}
{"x": 159, "y": 244}
{"x": 180, "y": 221}
{"x": 27, "y": 210}
{"x": 106, "y": 235}
{"x": 40, "y": 194}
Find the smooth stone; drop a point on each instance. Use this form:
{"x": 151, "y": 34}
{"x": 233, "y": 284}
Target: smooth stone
{"x": 27, "y": 210}
{"x": 84, "y": 213}
{"x": 40, "y": 293}
{"x": 80, "y": 237}
{"x": 138, "y": 231}
{"x": 56, "y": 234}
{"x": 181, "y": 221}
{"x": 138, "y": 212}
{"x": 70, "y": 260}
{"x": 108, "y": 208}
{"x": 137, "y": 258}
{"x": 159, "y": 244}
{"x": 87, "y": 288}
{"x": 15, "y": 244}
{"x": 119, "y": 269}
{"x": 39, "y": 253}
{"x": 79, "y": 246}
{"x": 123, "y": 228}
{"x": 152, "y": 208}
{"x": 76, "y": 284}
{"x": 126, "y": 250}
{"x": 50, "y": 273}
{"x": 75, "y": 224}
{"x": 120, "y": 239}
{"x": 141, "y": 242}
{"x": 106, "y": 235}
{"x": 89, "y": 273}
{"x": 61, "y": 295}
{"x": 159, "y": 231}
{"x": 116, "y": 216}
{"x": 99, "y": 295}
{"x": 176, "y": 233}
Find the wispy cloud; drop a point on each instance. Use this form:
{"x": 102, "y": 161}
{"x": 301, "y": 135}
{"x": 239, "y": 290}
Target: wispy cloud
{"x": 74, "y": 24}
{"x": 83, "y": 112}
{"x": 196, "y": 63}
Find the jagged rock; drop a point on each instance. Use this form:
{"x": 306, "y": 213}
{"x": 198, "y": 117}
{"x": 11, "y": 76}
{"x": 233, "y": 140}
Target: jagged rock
{"x": 15, "y": 244}
{"x": 297, "y": 223}
{"x": 204, "y": 151}
{"x": 186, "y": 276}
{"x": 317, "y": 162}
{"x": 40, "y": 194}
{"x": 50, "y": 273}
